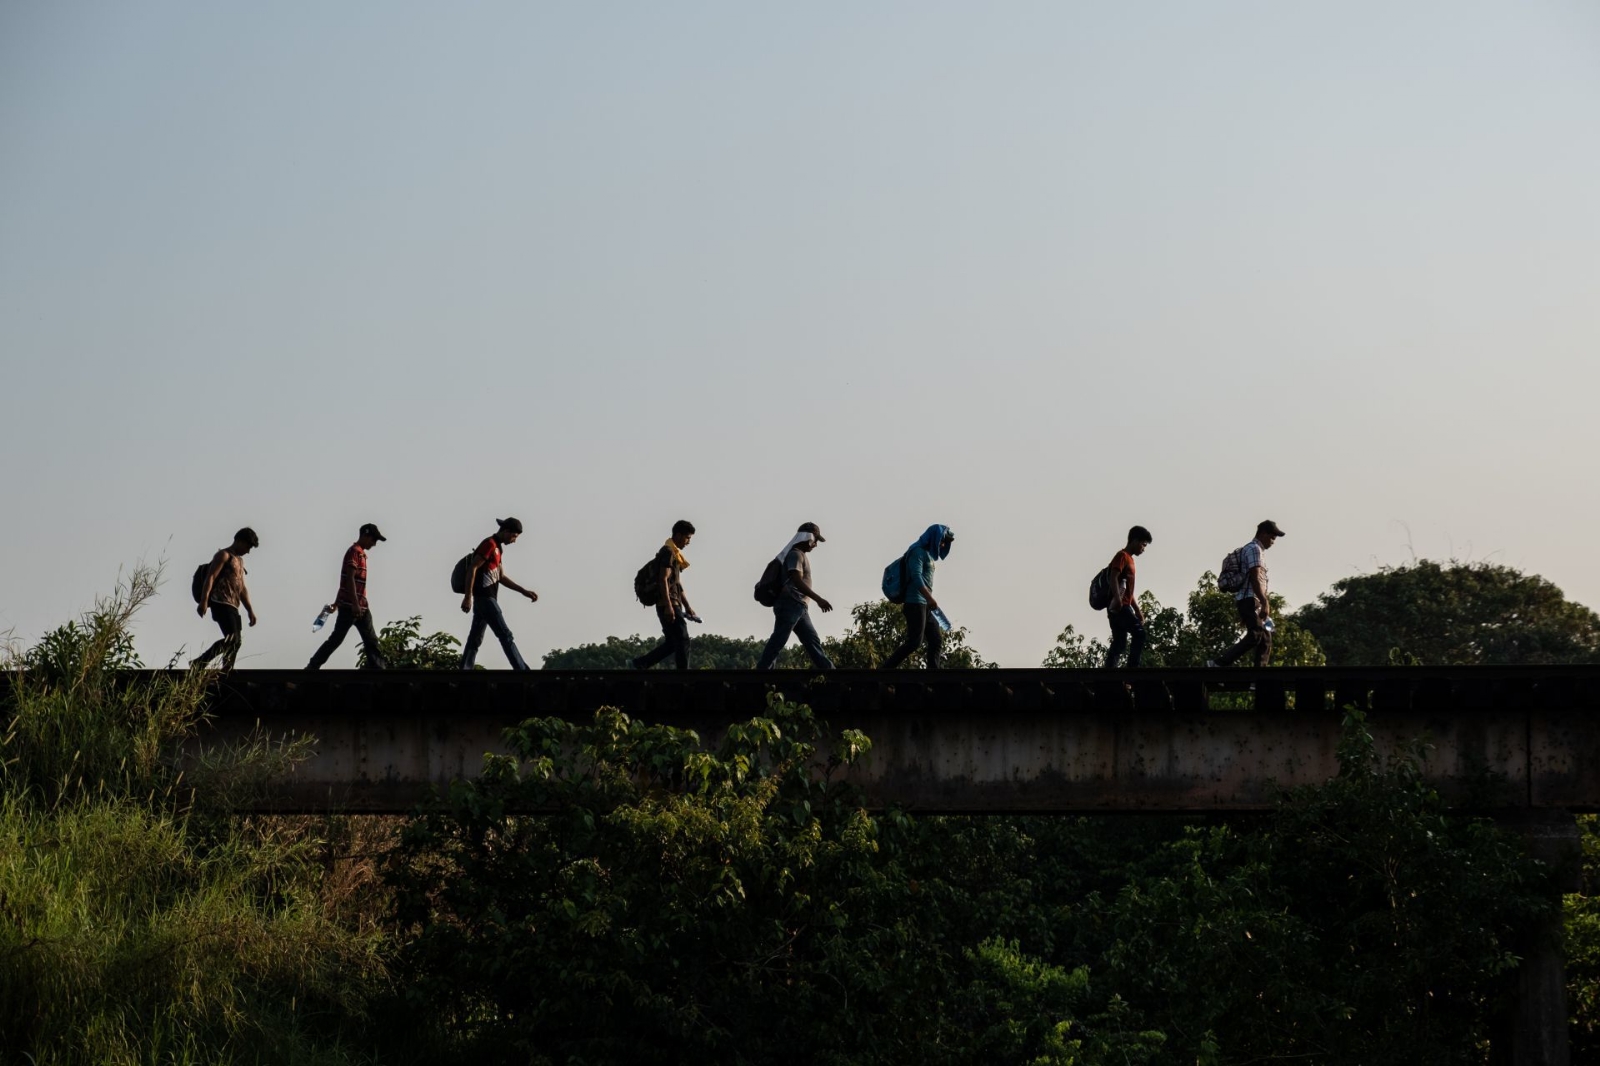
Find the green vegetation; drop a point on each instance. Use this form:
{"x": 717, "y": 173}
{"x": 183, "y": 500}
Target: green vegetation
{"x": 727, "y": 901}
{"x": 139, "y": 921}
{"x": 874, "y": 633}
{"x": 1461, "y": 614}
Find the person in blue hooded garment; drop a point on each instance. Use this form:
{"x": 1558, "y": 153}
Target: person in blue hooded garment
{"x": 921, "y": 628}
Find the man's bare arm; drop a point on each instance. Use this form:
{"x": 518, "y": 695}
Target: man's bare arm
{"x": 514, "y": 587}
{"x": 807, "y": 591}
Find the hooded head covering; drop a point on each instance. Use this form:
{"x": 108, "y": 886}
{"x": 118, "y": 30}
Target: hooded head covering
{"x": 932, "y": 541}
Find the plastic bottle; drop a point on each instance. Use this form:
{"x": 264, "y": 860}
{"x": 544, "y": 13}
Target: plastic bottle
{"x": 939, "y": 617}
{"x": 322, "y": 618}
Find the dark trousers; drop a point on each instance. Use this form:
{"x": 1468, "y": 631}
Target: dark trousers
{"x": 232, "y": 626}
{"x": 486, "y": 614}
{"x": 1125, "y": 623}
{"x": 790, "y": 616}
{"x": 921, "y": 630}
{"x": 341, "y": 627}
{"x": 674, "y": 641}
{"x": 1255, "y": 636}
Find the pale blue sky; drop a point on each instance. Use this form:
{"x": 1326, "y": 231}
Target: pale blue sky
{"x": 1037, "y": 271}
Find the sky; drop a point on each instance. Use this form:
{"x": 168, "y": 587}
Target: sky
{"x": 1037, "y": 271}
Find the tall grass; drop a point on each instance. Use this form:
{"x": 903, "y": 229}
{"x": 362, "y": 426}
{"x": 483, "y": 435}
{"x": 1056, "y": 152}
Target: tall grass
{"x": 140, "y": 922}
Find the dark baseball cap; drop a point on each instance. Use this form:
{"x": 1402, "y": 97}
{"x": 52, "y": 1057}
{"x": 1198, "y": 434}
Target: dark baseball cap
{"x": 811, "y": 527}
{"x": 1269, "y": 526}
{"x": 370, "y": 530}
{"x": 510, "y": 525}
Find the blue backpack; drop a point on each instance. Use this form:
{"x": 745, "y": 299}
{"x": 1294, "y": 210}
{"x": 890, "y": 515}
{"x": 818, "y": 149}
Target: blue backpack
{"x": 894, "y": 581}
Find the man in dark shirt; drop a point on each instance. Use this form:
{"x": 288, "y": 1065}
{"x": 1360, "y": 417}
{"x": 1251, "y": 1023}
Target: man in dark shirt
{"x": 352, "y": 603}
{"x": 672, "y": 606}
{"x": 484, "y": 578}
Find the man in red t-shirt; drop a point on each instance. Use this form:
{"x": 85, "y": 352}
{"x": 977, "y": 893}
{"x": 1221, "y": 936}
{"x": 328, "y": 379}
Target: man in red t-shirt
{"x": 484, "y": 578}
{"x": 352, "y": 603}
{"x": 1123, "y": 611}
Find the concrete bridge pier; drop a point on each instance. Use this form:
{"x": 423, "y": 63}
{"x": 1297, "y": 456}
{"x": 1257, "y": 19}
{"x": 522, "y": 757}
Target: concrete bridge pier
{"x": 1534, "y": 1030}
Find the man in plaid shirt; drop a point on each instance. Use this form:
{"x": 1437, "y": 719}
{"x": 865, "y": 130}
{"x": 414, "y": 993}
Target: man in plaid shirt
{"x": 352, "y": 603}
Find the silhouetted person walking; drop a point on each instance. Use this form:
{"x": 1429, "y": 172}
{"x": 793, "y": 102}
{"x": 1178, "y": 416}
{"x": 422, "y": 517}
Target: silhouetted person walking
{"x": 672, "y": 606}
{"x": 1123, "y": 612}
{"x": 790, "y": 614}
{"x": 921, "y": 626}
{"x": 1255, "y": 609}
{"x": 352, "y": 603}
{"x": 484, "y": 578}
{"x": 222, "y": 593}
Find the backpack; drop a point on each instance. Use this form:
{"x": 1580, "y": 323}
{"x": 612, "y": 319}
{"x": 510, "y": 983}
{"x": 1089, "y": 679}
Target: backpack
{"x": 1100, "y": 590}
{"x": 894, "y": 581}
{"x": 458, "y": 576}
{"x": 199, "y": 585}
{"x": 1231, "y": 577}
{"x": 770, "y": 587}
{"x": 647, "y": 583}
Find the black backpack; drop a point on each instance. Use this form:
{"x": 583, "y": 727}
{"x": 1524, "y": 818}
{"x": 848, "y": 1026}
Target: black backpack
{"x": 458, "y": 576}
{"x": 1100, "y": 590}
{"x": 198, "y": 585}
{"x": 647, "y": 583}
{"x": 770, "y": 587}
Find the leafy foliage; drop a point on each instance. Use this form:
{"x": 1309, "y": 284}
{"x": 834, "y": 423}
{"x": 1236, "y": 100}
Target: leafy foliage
{"x": 726, "y": 904}
{"x": 405, "y": 648}
{"x": 139, "y": 922}
{"x": 876, "y": 630}
{"x": 1461, "y": 614}
{"x": 1177, "y": 638}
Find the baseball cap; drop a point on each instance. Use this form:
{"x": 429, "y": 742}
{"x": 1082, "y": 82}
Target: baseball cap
{"x": 510, "y": 525}
{"x": 370, "y": 530}
{"x": 811, "y": 527}
{"x": 1269, "y": 526}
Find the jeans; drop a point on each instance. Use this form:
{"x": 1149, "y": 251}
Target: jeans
{"x": 486, "y": 614}
{"x": 1125, "y": 621}
{"x": 232, "y": 626}
{"x": 674, "y": 641}
{"x": 341, "y": 627}
{"x": 790, "y": 616}
{"x": 1255, "y": 636}
{"x": 920, "y": 629}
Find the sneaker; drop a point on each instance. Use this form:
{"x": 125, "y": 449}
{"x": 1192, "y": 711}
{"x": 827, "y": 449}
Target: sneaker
{"x": 630, "y": 664}
{"x": 1211, "y": 664}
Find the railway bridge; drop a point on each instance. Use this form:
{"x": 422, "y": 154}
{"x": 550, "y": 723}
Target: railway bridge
{"x": 1520, "y": 744}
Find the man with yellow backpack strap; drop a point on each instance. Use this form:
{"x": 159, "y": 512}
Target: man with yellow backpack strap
{"x": 659, "y": 584}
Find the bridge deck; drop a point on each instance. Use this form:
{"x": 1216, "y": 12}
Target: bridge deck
{"x": 967, "y": 741}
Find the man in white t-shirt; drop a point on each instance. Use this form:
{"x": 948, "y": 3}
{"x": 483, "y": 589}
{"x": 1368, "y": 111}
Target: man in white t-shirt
{"x": 1255, "y": 608}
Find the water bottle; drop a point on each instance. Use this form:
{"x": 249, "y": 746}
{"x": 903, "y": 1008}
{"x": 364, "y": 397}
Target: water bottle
{"x": 322, "y": 618}
{"x": 940, "y": 618}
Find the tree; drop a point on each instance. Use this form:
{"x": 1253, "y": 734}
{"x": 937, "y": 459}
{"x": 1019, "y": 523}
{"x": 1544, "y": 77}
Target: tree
{"x": 405, "y": 648}
{"x": 1177, "y": 638}
{"x": 1460, "y": 614}
{"x": 876, "y": 630}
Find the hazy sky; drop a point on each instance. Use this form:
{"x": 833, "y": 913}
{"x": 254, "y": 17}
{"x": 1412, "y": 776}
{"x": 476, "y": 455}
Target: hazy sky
{"x": 1036, "y": 271}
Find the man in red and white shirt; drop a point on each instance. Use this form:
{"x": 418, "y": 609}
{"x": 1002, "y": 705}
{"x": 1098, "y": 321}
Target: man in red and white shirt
{"x": 352, "y": 603}
{"x": 485, "y": 575}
